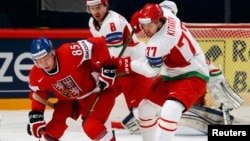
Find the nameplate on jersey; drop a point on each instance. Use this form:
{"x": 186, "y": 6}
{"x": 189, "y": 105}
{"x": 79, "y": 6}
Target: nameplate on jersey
{"x": 87, "y": 48}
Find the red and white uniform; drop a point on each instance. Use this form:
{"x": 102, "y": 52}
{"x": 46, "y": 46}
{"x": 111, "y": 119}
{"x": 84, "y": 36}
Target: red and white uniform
{"x": 175, "y": 58}
{"x": 116, "y": 31}
{"x": 173, "y": 54}
{"x": 72, "y": 84}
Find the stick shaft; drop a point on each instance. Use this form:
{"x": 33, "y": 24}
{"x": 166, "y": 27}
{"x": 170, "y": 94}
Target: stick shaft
{"x": 127, "y": 41}
{"x": 42, "y": 100}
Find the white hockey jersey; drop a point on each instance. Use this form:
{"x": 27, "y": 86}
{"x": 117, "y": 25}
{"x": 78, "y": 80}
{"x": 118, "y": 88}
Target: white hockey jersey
{"x": 113, "y": 29}
{"x": 173, "y": 53}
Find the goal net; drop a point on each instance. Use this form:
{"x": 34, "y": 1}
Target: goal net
{"x": 228, "y": 47}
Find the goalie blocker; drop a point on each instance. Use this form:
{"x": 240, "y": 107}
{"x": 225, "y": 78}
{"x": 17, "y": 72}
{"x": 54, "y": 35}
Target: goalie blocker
{"x": 222, "y": 93}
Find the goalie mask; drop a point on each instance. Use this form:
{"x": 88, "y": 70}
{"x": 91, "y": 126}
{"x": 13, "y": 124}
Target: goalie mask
{"x": 150, "y": 13}
{"x": 41, "y": 47}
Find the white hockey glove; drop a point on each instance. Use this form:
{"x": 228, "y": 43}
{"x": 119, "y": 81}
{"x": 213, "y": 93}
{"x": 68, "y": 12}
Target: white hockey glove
{"x": 221, "y": 91}
{"x": 132, "y": 124}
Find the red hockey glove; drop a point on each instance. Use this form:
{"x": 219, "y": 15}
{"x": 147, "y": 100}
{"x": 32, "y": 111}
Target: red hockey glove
{"x": 134, "y": 22}
{"x": 36, "y": 123}
{"x": 122, "y": 65}
{"x": 107, "y": 76}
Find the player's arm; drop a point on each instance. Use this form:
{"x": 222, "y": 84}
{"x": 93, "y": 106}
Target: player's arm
{"x": 36, "y": 116}
{"x": 35, "y": 104}
{"x": 144, "y": 68}
{"x": 100, "y": 57}
{"x": 96, "y": 50}
{"x": 35, "y": 83}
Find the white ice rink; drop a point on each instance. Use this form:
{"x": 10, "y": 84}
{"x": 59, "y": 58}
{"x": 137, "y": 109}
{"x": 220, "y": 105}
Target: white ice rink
{"x": 13, "y": 128}
{"x": 14, "y": 122}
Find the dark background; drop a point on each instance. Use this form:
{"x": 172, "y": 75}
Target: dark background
{"x": 27, "y": 13}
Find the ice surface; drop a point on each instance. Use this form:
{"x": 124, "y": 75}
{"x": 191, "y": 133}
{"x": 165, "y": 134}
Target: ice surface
{"x": 13, "y": 128}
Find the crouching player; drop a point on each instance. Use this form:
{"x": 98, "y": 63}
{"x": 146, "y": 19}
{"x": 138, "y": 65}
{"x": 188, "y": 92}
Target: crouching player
{"x": 70, "y": 72}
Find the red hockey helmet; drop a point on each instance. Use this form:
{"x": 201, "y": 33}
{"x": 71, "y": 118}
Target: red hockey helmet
{"x": 149, "y": 13}
{"x": 96, "y": 2}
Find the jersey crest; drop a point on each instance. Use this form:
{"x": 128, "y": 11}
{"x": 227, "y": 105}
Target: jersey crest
{"x": 67, "y": 87}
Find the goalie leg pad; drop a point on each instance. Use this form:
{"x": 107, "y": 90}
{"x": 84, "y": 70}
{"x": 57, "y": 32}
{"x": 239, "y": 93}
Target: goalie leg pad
{"x": 193, "y": 121}
{"x": 200, "y": 117}
{"x": 212, "y": 116}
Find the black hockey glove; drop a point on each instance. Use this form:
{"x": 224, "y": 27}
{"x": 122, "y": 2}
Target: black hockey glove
{"x": 107, "y": 76}
{"x": 36, "y": 123}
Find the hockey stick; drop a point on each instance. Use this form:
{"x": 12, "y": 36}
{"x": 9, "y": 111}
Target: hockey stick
{"x": 42, "y": 100}
{"x": 92, "y": 106}
{"x": 99, "y": 93}
{"x": 50, "y": 104}
{"x": 46, "y": 136}
{"x": 127, "y": 41}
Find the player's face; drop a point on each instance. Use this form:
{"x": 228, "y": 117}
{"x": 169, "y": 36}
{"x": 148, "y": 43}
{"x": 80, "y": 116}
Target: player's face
{"x": 98, "y": 12}
{"x": 47, "y": 62}
{"x": 150, "y": 29}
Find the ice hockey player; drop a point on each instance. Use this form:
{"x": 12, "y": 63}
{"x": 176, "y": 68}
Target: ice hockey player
{"x": 223, "y": 95}
{"x": 116, "y": 30}
{"x": 175, "y": 56}
{"x": 74, "y": 73}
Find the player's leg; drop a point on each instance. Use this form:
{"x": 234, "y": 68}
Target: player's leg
{"x": 181, "y": 95}
{"x": 135, "y": 87}
{"x": 57, "y": 125}
{"x": 97, "y": 126}
{"x": 148, "y": 114}
{"x": 170, "y": 116}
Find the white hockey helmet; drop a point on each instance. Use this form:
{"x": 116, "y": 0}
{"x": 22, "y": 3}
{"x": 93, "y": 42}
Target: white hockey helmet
{"x": 169, "y": 5}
